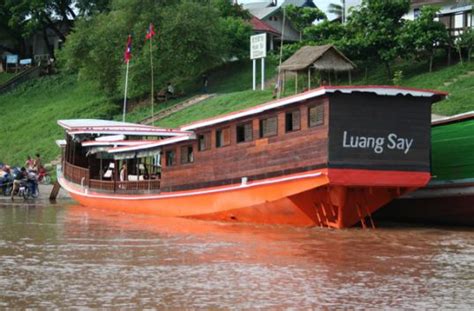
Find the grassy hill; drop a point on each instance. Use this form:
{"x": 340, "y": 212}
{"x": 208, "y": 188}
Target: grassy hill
{"x": 29, "y": 113}
{"x": 457, "y": 80}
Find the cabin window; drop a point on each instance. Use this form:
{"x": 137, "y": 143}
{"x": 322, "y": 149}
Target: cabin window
{"x": 204, "y": 141}
{"x": 223, "y": 137}
{"x": 269, "y": 127}
{"x": 315, "y": 115}
{"x": 244, "y": 132}
{"x": 187, "y": 155}
{"x": 292, "y": 121}
{"x": 170, "y": 158}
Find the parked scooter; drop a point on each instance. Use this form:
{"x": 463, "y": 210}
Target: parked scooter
{"x": 43, "y": 176}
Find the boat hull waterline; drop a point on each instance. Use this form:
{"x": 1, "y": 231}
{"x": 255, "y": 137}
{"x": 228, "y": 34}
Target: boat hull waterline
{"x": 325, "y": 197}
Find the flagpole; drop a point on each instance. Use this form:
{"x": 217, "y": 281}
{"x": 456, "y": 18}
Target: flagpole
{"x": 152, "y": 92}
{"x": 125, "y": 96}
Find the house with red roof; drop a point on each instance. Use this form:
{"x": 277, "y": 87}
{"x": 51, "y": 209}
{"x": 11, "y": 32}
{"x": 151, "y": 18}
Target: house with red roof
{"x": 267, "y": 17}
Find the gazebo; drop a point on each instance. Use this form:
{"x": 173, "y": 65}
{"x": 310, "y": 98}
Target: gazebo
{"x": 322, "y": 58}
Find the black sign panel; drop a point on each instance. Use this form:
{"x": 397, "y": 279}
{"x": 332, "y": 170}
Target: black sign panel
{"x": 370, "y": 131}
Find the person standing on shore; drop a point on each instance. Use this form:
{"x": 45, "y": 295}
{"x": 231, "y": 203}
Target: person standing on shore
{"x": 205, "y": 83}
{"x": 29, "y": 163}
{"x": 37, "y": 165}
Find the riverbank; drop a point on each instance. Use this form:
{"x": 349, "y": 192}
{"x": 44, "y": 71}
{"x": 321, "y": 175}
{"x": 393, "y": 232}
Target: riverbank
{"x": 45, "y": 191}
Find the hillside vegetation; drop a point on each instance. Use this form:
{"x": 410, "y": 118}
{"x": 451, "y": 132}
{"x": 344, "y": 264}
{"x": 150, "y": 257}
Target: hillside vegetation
{"x": 28, "y": 122}
{"x": 457, "y": 80}
{"x": 29, "y": 113}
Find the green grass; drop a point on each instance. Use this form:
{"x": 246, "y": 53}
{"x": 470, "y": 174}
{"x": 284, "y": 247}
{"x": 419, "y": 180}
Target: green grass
{"x": 143, "y": 110}
{"x": 235, "y": 81}
{"x": 28, "y": 122}
{"x": 453, "y": 146}
{"x": 215, "y": 106}
{"x": 5, "y": 76}
{"x": 232, "y": 83}
{"x": 460, "y": 89}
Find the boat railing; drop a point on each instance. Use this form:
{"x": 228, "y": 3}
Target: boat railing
{"x": 80, "y": 175}
{"x": 125, "y": 186}
{"x": 76, "y": 174}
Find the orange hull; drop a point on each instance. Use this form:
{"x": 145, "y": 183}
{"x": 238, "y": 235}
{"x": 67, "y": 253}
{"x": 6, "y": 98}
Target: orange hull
{"x": 328, "y": 197}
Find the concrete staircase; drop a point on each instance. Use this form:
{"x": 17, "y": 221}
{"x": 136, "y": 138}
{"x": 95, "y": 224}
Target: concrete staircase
{"x": 178, "y": 107}
{"x": 23, "y": 76}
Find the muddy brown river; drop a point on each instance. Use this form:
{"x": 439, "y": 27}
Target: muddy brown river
{"x": 66, "y": 256}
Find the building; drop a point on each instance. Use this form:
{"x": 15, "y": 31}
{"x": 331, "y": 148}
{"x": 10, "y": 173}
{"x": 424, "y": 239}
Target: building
{"x": 456, "y": 15}
{"x": 270, "y": 13}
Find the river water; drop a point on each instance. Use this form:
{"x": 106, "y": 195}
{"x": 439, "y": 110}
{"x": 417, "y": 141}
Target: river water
{"x": 67, "y": 256}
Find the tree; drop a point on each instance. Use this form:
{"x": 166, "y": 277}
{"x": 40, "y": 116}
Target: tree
{"x": 191, "y": 37}
{"x": 88, "y": 8}
{"x": 325, "y": 32}
{"x": 303, "y": 17}
{"x": 22, "y": 18}
{"x": 230, "y": 9}
{"x": 9, "y": 34}
{"x": 466, "y": 41}
{"x": 375, "y": 27}
{"x": 235, "y": 27}
{"x": 423, "y": 35}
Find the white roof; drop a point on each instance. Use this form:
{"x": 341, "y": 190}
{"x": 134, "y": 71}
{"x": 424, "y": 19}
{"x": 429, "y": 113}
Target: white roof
{"x": 111, "y": 138}
{"x": 115, "y": 143}
{"x": 151, "y": 145}
{"x": 92, "y": 126}
{"x": 454, "y": 9}
{"x": 82, "y": 123}
{"x": 379, "y": 90}
{"x": 61, "y": 142}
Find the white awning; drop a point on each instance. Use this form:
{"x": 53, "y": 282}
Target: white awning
{"x": 111, "y": 138}
{"x": 61, "y": 143}
{"x": 106, "y": 127}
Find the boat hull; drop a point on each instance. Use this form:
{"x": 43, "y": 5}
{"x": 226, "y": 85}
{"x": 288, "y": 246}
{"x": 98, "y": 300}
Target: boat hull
{"x": 444, "y": 203}
{"x": 326, "y": 197}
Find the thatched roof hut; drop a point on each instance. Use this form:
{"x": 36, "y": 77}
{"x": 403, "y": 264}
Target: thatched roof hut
{"x": 323, "y": 57}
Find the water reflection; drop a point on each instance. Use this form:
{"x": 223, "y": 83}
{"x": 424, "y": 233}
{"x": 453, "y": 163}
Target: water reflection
{"x": 71, "y": 256}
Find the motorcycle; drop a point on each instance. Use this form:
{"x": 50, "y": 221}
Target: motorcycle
{"x": 29, "y": 187}
{"x": 6, "y": 184}
{"x": 43, "y": 176}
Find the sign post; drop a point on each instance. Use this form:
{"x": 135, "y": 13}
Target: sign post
{"x": 258, "y": 49}
{"x": 12, "y": 60}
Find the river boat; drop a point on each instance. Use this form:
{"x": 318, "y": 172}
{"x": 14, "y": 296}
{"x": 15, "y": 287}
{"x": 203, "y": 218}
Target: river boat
{"x": 326, "y": 157}
{"x": 449, "y": 196}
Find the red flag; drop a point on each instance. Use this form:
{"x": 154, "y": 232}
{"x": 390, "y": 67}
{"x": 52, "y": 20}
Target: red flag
{"x": 128, "y": 49}
{"x": 150, "y": 32}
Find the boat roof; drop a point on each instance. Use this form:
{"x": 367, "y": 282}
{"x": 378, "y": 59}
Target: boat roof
{"x": 452, "y": 119}
{"x": 115, "y": 143}
{"x": 147, "y": 145}
{"x": 95, "y": 126}
{"x": 321, "y": 91}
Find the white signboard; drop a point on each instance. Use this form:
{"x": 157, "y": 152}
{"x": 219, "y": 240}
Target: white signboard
{"x": 12, "y": 59}
{"x": 258, "y": 46}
